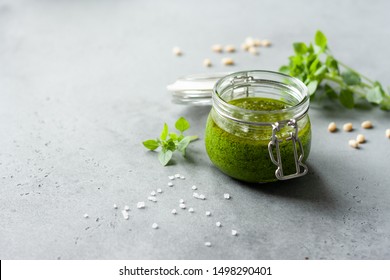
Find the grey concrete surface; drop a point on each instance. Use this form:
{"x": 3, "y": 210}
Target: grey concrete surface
{"x": 82, "y": 84}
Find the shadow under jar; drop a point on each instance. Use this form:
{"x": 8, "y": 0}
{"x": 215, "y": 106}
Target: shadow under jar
{"x": 258, "y": 129}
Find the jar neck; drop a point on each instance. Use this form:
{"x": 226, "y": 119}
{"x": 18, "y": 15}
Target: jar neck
{"x": 260, "y": 84}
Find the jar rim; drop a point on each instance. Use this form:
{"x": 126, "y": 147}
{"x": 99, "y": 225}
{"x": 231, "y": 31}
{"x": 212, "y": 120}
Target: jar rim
{"x": 297, "y": 110}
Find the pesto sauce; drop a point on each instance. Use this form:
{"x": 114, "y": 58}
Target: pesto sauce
{"x": 245, "y": 156}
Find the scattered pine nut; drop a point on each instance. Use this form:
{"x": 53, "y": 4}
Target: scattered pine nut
{"x": 207, "y": 244}
{"x": 159, "y": 190}
{"x": 332, "y": 127}
{"x": 227, "y": 61}
{"x": 353, "y": 143}
{"x": 152, "y": 198}
{"x": 191, "y": 210}
{"x": 250, "y": 41}
{"x": 182, "y": 177}
{"x": 177, "y": 175}
{"x": 208, "y": 213}
{"x": 115, "y": 206}
{"x": 196, "y": 195}
{"x": 253, "y": 51}
{"x": 155, "y": 226}
{"x": 234, "y": 232}
{"x": 177, "y": 51}
{"x": 360, "y": 139}
{"x": 367, "y": 124}
{"x": 207, "y": 62}
{"x": 266, "y": 43}
{"x": 226, "y": 196}
{"x": 181, "y": 200}
{"x": 230, "y": 48}
{"x": 170, "y": 184}
{"x": 153, "y": 193}
{"x": 194, "y": 187}
{"x": 127, "y": 208}
{"x": 182, "y": 206}
{"x": 257, "y": 43}
{"x": 217, "y": 48}
{"x": 387, "y": 133}
{"x": 245, "y": 47}
{"x": 171, "y": 177}
{"x": 201, "y": 196}
{"x": 86, "y": 216}
{"x": 218, "y": 224}
{"x": 174, "y": 212}
{"x": 141, "y": 205}
{"x": 125, "y": 214}
{"x": 347, "y": 127}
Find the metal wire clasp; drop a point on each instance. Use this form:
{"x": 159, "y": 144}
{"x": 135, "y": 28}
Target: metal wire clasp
{"x": 297, "y": 157}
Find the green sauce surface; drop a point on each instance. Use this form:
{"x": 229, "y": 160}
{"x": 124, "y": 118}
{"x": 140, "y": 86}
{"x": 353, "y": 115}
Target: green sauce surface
{"x": 244, "y": 155}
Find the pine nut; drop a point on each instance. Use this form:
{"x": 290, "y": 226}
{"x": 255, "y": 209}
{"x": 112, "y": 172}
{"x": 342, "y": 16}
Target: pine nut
{"x": 249, "y": 41}
{"x": 217, "y": 48}
{"x": 265, "y": 43}
{"x": 207, "y": 62}
{"x": 367, "y": 124}
{"x": 253, "y": 51}
{"x": 177, "y": 51}
{"x": 230, "y": 48}
{"x": 388, "y": 133}
{"x": 353, "y": 143}
{"x": 348, "y": 127}
{"x": 257, "y": 43}
{"x": 227, "y": 61}
{"x": 332, "y": 127}
{"x": 245, "y": 47}
{"x": 360, "y": 139}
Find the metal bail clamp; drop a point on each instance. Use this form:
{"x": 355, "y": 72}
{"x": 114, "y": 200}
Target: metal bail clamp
{"x": 297, "y": 158}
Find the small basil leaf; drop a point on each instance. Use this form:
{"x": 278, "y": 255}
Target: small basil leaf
{"x": 350, "y": 78}
{"x": 312, "y": 86}
{"x": 300, "y": 48}
{"x": 330, "y": 92}
{"x": 165, "y": 156}
{"x": 182, "y": 146}
{"x": 320, "y": 40}
{"x": 182, "y": 124}
{"x": 150, "y": 144}
{"x": 346, "y": 98}
{"x": 374, "y": 95}
{"x": 164, "y": 132}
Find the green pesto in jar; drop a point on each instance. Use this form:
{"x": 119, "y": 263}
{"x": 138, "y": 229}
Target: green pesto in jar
{"x": 244, "y": 154}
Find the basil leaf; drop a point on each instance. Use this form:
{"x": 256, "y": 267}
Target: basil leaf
{"x": 300, "y": 48}
{"x": 346, "y": 98}
{"x": 312, "y": 86}
{"x": 150, "y": 144}
{"x": 320, "y": 40}
{"x": 374, "y": 95}
{"x": 284, "y": 69}
{"x": 182, "y": 124}
{"x": 182, "y": 146}
{"x": 350, "y": 78}
{"x": 170, "y": 145}
{"x": 173, "y": 136}
{"x": 165, "y": 156}
{"x": 320, "y": 70}
{"x": 330, "y": 92}
{"x": 164, "y": 132}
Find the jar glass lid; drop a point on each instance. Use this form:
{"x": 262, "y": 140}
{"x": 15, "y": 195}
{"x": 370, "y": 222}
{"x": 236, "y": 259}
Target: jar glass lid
{"x": 194, "y": 89}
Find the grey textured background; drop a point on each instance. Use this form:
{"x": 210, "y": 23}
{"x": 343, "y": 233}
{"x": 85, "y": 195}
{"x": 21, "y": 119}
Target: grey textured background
{"x": 82, "y": 84}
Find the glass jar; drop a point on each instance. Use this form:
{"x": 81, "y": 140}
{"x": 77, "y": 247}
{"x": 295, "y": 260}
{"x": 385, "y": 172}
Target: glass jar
{"x": 258, "y": 129}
